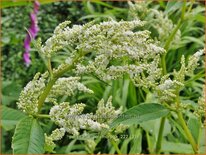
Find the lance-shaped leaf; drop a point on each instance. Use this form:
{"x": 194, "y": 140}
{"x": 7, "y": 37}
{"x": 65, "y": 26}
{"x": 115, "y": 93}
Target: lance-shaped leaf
{"x": 141, "y": 113}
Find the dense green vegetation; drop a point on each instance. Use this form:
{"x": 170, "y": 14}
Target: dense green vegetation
{"x": 164, "y": 116}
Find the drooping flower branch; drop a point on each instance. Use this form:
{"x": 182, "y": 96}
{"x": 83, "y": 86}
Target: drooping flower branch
{"x": 32, "y": 33}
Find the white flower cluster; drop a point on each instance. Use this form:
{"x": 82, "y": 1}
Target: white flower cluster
{"x": 124, "y": 46}
{"x": 67, "y": 86}
{"x": 200, "y": 110}
{"x": 116, "y": 41}
{"x": 112, "y": 38}
{"x": 57, "y": 134}
{"x": 71, "y": 118}
{"x": 193, "y": 61}
{"x": 142, "y": 74}
{"x": 105, "y": 113}
{"x": 63, "y": 37}
{"x": 201, "y": 106}
{"x": 180, "y": 75}
{"x": 188, "y": 69}
{"x": 168, "y": 88}
{"x": 107, "y": 37}
{"x": 163, "y": 24}
{"x": 28, "y": 100}
{"x": 155, "y": 19}
{"x": 55, "y": 43}
{"x": 138, "y": 10}
{"x": 110, "y": 42}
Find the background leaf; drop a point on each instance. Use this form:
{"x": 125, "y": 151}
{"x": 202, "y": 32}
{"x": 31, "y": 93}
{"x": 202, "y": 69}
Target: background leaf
{"x": 10, "y": 117}
{"x": 28, "y": 137}
{"x": 136, "y": 143}
{"x": 176, "y": 147}
{"x": 194, "y": 126}
{"x": 10, "y": 92}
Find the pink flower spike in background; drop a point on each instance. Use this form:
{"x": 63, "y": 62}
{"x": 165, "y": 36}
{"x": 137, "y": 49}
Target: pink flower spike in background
{"x": 32, "y": 32}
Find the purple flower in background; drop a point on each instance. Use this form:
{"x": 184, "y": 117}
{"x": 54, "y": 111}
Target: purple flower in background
{"x": 33, "y": 30}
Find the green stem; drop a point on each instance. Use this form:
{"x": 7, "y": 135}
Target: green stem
{"x": 160, "y": 135}
{"x": 183, "y": 10}
{"x": 150, "y": 147}
{"x": 171, "y": 37}
{"x": 50, "y": 67}
{"x": 184, "y": 126}
{"x": 163, "y": 64}
{"x": 52, "y": 81}
{"x": 164, "y": 71}
{"x": 116, "y": 146}
{"x": 42, "y": 116}
{"x": 187, "y": 132}
{"x": 190, "y": 7}
{"x": 45, "y": 93}
{"x": 195, "y": 77}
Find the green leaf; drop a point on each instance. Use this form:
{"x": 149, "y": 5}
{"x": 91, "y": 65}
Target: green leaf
{"x": 10, "y": 117}
{"x": 28, "y": 137}
{"x": 10, "y": 92}
{"x": 132, "y": 95}
{"x": 173, "y": 147}
{"x": 151, "y": 142}
{"x": 125, "y": 146}
{"x": 125, "y": 92}
{"x": 202, "y": 137}
{"x": 194, "y": 126}
{"x": 96, "y": 15}
{"x": 172, "y": 6}
{"x": 194, "y": 40}
{"x": 202, "y": 150}
{"x": 200, "y": 18}
{"x": 141, "y": 113}
{"x": 90, "y": 7}
{"x": 152, "y": 127}
{"x": 136, "y": 143}
{"x": 70, "y": 146}
{"x": 177, "y": 125}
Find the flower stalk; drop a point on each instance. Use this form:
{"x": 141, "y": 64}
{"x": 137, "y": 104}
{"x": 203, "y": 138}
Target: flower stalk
{"x": 160, "y": 135}
{"x": 164, "y": 71}
{"x": 187, "y": 132}
{"x": 53, "y": 79}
